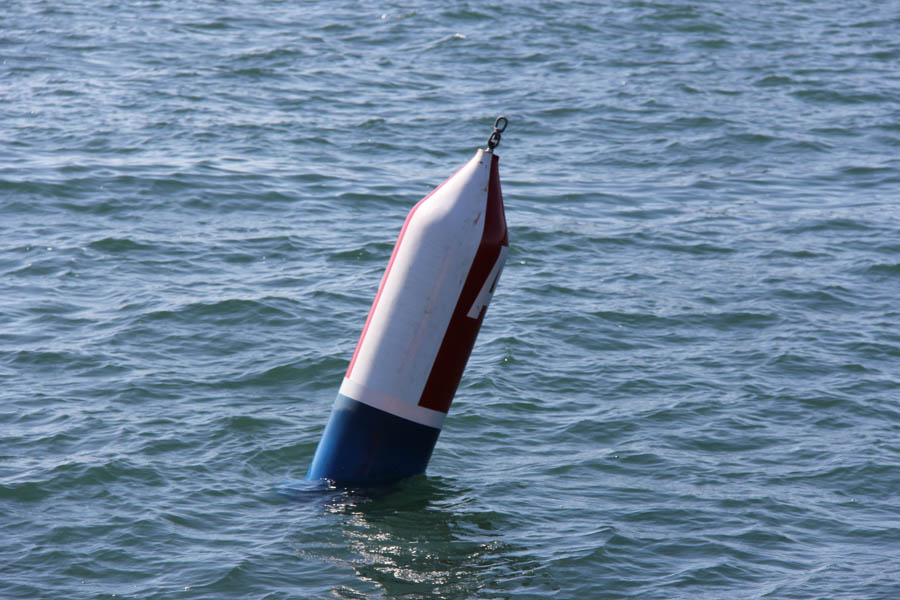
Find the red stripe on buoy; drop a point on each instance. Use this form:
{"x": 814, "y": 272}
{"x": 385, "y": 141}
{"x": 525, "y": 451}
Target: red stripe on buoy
{"x": 459, "y": 339}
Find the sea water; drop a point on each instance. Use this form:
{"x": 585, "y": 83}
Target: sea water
{"x": 687, "y": 383}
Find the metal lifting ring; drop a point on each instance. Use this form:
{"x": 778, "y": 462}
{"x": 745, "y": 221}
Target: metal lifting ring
{"x": 499, "y": 127}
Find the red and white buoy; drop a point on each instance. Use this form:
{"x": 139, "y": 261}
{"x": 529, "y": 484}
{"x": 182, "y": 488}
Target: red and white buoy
{"x": 420, "y": 330}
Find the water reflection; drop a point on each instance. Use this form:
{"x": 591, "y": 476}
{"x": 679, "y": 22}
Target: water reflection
{"x": 426, "y": 538}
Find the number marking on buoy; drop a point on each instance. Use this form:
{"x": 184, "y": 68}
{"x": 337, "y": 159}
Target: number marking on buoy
{"x": 487, "y": 290}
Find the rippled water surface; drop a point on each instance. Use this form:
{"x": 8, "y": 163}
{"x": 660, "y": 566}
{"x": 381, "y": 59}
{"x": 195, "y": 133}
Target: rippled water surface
{"x": 687, "y": 384}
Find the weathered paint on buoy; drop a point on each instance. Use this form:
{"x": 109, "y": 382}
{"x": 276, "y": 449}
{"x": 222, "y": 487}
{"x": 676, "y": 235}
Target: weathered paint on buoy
{"x": 420, "y": 330}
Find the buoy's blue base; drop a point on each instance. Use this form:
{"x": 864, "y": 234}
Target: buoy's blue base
{"x": 364, "y": 445}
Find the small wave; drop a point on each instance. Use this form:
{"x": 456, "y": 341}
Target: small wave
{"x": 699, "y": 249}
{"x": 112, "y": 245}
{"x": 232, "y": 310}
{"x": 884, "y": 269}
{"x": 841, "y": 97}
{"x": 305, "y": 374}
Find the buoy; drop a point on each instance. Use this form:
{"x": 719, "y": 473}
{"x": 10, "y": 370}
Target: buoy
{"x": 420, "y": 330}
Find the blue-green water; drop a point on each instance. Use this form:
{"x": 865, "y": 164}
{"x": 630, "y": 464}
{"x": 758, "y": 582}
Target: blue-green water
{"x": 687, "y": 384}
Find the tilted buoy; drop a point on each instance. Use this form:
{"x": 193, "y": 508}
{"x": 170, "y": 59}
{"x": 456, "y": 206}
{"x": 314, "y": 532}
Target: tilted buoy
{"x": 420, "y": 330}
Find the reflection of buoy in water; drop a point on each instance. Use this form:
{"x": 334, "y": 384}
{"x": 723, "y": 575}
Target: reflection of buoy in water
{"x": 420, "y": 330}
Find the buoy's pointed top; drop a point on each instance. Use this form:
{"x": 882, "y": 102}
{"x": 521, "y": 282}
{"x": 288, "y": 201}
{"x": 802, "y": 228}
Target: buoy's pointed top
{"x": 499, "y": 127}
